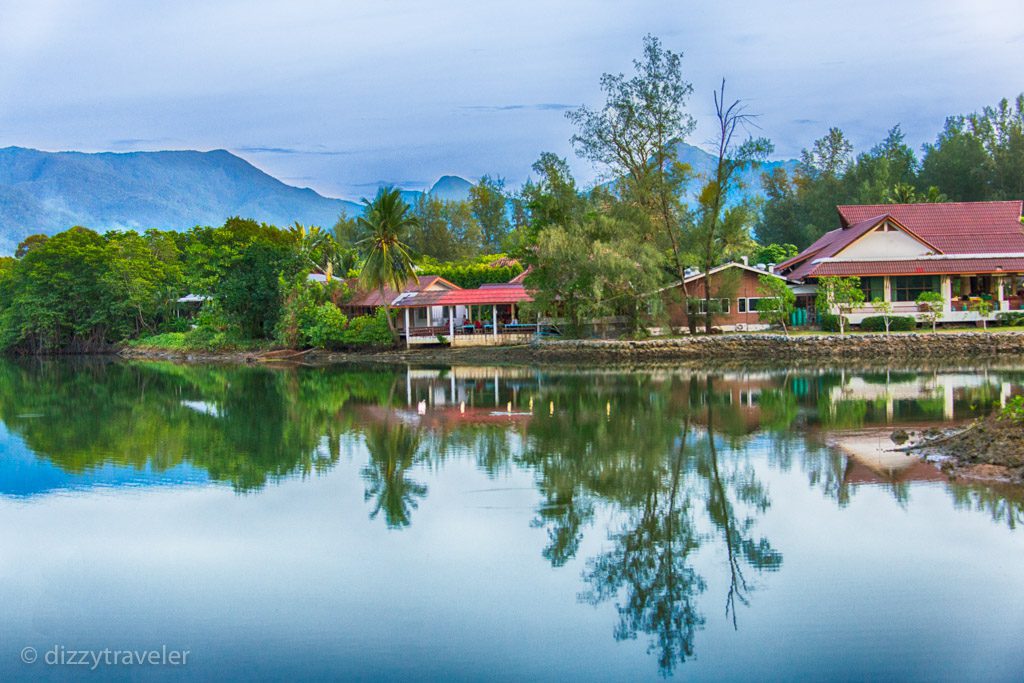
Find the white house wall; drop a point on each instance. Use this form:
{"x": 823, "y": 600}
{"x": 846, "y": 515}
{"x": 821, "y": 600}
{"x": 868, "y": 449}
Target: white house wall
{"x": 880, "y": 244}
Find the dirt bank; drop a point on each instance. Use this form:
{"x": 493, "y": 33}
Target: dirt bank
{"x": 990, "y": 448}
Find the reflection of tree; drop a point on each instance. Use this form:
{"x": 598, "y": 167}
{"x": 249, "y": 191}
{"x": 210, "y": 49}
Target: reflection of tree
{"x": 1005, "y": 502}
{"x": 393, "y": 450}
{"x": 648, "y": 461}
{"x": 722, "y": 513}
{"x": 241, "y": 425}
{"x": 649, "y": 561}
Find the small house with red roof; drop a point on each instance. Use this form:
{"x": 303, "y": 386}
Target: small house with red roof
{"x": 966, "y": 251}
{"x": 432, "y": 306}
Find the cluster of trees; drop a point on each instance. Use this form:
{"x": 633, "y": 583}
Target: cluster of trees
{"x": 82, "y": 291}
{"x": 606, "y": 252}
{"x": 976, "y": 157}
{"x": 448, "y": 230}
{"x": 602, "y": 252}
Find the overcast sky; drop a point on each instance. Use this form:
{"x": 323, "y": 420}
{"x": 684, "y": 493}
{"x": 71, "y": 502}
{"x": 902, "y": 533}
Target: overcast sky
{"x": 340, "y": 96}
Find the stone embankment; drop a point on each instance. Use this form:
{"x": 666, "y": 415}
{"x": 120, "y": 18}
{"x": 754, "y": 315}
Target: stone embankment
{"x": 769, "y": 347}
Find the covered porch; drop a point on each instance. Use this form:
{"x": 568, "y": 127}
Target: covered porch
{"x": 488, "y": 316}
{"x": 963, "y": 295}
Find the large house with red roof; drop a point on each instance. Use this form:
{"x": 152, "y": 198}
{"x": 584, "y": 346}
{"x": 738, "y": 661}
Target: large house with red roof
{"x": 966, "y": 251}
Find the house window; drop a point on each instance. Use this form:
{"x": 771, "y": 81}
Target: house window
{"x": 717, "y": 306}
{"x": 741, "y": 305}
{"x": 753, "y": 304}
{"x": 873, "y": 288}
{"x": 909, "y": 287}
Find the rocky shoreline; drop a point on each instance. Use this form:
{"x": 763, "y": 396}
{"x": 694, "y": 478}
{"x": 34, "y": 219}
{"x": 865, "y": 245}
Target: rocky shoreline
{"x": 724, "y": 348}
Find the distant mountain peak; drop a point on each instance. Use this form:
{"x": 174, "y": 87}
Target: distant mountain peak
{"x": 451, "y": 188}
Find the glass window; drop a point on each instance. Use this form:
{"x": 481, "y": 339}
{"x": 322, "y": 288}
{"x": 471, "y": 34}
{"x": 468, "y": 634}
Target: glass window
{"x": 873, "y": 288}
{"x": 909, "y": 287}
{"x": 741, "y": 305}
{"x": 752, "y": 304}
{"x": 717, "y": 306}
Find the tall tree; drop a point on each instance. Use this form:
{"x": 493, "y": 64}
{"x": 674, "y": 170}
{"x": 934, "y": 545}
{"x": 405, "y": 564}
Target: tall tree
{"x": 634, "y": 139}
{"x": 719, "y": 226}
{"x": 489, "y": 205}
{"x": 388, "y": 261}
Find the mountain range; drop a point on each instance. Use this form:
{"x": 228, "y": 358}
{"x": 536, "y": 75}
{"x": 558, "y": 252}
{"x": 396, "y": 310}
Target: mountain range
{"x": 51, "y": 191}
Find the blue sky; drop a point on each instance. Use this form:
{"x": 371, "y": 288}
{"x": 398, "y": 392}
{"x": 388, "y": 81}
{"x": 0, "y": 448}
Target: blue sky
{"x": 340, "y": 96}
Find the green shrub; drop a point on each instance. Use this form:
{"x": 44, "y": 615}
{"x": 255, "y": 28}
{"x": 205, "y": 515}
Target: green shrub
{"x": 829, "y": 322}
{"x": 323, "y": 326}
{"x": 368, "y": 330}
{"x": 1010, "y": 318}
{"x": 897, "y": 323}
{"x": 175, "y": 325}
{"x": 1014, "y": 409}
{"x": 472, "y": 274}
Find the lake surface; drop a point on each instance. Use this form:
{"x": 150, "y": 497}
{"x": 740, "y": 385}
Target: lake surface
{"x": 476, "y": 523}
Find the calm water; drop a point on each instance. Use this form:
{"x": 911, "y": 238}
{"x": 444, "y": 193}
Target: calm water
{"x": 510, "y": 524}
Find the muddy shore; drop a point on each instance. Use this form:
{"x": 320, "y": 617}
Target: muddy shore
{"x": 990, "y": 448}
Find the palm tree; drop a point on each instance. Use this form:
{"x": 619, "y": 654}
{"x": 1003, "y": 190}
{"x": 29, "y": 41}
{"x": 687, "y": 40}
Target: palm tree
{"x": 388, "y": 261}
{"x": 314, "y": 244}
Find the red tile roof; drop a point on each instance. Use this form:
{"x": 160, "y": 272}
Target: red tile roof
{"x": 924, "y": 266}
{"x": 953, "y": 227}
{"x": 484, "y": 296}
{"x": 828, "y": 245}
{"x": 374, "y": 299}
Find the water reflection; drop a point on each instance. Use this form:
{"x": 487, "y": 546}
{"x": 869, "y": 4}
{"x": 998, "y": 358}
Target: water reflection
{"x": 664, "y": 456}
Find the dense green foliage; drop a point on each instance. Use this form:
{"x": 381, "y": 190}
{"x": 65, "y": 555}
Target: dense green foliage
{"x": 976, "y": 157}
{"x": 489, "y": 269}
{"x": 81, "y": 291}
{"x": 1010, "y": 318}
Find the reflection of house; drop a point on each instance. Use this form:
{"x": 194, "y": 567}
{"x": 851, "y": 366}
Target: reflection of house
{"x": 735, "y": 296}
{"x": 897, "y": 469}
{"x": 967, "y": 251}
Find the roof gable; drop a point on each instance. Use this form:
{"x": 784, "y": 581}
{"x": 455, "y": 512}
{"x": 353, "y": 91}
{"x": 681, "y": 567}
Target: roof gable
{"x": 886, "y": 238}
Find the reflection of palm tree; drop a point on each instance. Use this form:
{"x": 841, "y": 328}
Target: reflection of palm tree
{"x": 393, "y": 449}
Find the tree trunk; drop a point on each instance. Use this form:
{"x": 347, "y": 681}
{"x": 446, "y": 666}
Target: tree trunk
{"x": 387, "y": 314}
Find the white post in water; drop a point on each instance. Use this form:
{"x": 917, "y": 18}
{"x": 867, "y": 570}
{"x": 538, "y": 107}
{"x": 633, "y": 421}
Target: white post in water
{"x": 451, "y": 324}
{"x": 407, "y": 330}
{"x": 494, "y": 319}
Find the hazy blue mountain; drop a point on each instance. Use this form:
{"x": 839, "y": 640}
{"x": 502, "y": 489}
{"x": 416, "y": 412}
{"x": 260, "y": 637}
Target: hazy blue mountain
{"x": 704, "y": 163}
{"x": 52, "y": 191}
